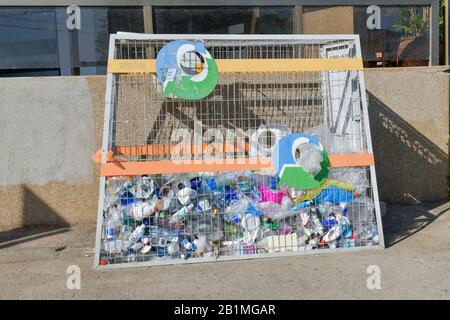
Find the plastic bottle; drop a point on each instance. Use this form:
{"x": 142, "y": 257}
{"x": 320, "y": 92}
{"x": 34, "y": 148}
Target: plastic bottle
{"x": 209, "y": 185}
{"x": 201, "y": 245}
{"x": 218, "y": 201}
{"x": 310, "y": 158}
{"x": 236, "y": 211}
{"x": 302, "y": 236}
{"x": 181, "y": 214}
{"x": 137, "y": 233}
{"x": 173, "y": 249}
{"x": 196, "y": 184}
{"x": 136, "y": 246}
{"x": 230, "y": 193}
{"x": 286, "y": 203}
{"x": 141, "y": 210}
{"x": 113, "y": 223}
{"x": 316, "y": 224}
{"x": 113, "y": 246}
{"x": 186, "y": 195}
{"x": 113, "y": 187}
{"x": 180, "y": 183}
{"x": 226, "y": 179}
{"x": 203, "y": 205}
{"x": 143, "y": 187}
{"x": 360, "y": 212}
{"x": 126, "y": 231}
{"x": 186, "y": 244}
{"x": 336, "y": 231}
{"x": 272, "y": 210}
{"x": 368, "y": 233}
{"x": 285, "y": 229}
{"x": 126, "y": 197}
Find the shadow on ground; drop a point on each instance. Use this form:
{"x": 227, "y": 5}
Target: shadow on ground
{"x": 34, "y": 211}
{"x": 400, "y": 223}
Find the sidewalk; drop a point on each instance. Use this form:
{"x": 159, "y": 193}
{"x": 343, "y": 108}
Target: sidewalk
{"x": 415, "y": 265}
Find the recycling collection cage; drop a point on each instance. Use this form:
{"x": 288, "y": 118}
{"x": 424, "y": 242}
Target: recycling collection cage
{"x": 193, "y": 180}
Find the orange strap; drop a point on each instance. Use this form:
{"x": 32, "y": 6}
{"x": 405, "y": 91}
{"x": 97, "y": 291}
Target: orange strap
{"x": 131, "y": 168}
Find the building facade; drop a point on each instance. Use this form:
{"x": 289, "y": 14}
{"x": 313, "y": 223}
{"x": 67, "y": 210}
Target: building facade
{"x": 70, "y": 37}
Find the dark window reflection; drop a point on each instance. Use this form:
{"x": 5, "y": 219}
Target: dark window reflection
{"x": 224, "y": 20}
{"x": 28, "y": 39}
{"x": 92, "y": 40}
{"x": 36, "y": 41}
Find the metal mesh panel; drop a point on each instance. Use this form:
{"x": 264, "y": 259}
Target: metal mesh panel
{"x": 327, "y": 103}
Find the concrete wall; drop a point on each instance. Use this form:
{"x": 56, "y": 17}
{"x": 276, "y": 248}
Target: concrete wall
{"x": 50, "y": 127}
{"x": 409, "y": 110}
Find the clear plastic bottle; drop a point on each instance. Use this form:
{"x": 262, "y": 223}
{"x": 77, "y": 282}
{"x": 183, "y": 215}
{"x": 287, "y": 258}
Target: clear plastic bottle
{"x": 361, "y": 212}
{"x": 336, "y": 231}
{"x": 181, "y": 214}
{"x": 273, "y": 210}
{"x": 113, "y": 246}
{"x": 113, "y": 187}
{"x": 113, "y": 223}
{"x": 236, "y": 211}
{"x": 142, "y": 187}
{"x": 137, "y": 233}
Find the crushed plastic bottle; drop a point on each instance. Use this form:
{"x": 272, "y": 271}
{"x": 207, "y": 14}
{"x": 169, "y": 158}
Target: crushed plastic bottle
{"x": 142, "y": 187}
{"x": 336, "y": 231}
{"x": 181, "y": 214}
{"x": 310, "y": 158}
{"x": 361, "y": 212}
{"x": 236, "y": 211}
{"x": 137, "y": 233}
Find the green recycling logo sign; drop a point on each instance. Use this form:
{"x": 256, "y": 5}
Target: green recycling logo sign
{"x": 186, "y": 70}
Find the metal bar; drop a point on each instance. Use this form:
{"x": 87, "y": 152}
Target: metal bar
{"x": 434, "y": 33}
{"x": 298, "y": 20}
{"x": 290, "y": 37}
{"x": 285, "y": 254}
{"x": 148, "y": 19}
{"x": 105, "y": 147}
{"x": 373, "y": 175}
{"x": 447, "y": 32}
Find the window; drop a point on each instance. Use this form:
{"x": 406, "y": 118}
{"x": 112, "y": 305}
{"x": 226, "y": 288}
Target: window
{"x": 28, "y": 40}
{"x": 92, "y": 40}
{"x": 36, "y": 41}
{"x": 224, "y": 20}
{"x": 403, "y": 38}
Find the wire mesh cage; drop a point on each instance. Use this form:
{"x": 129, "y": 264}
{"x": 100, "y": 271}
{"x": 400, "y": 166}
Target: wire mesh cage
{"x": 188, "y": 180}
